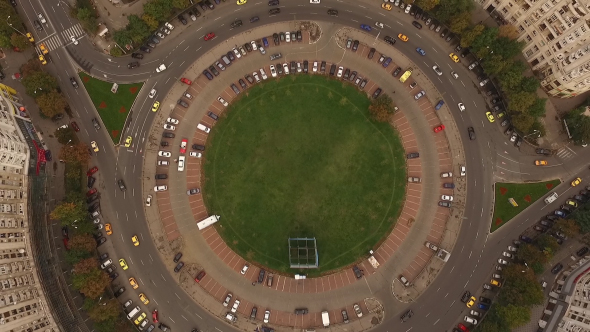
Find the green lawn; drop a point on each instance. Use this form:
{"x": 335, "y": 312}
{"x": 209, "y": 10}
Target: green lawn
{"x": 523, "y": 193}
{"x": 112, "y": 107}
{"x": 299, "y": 157}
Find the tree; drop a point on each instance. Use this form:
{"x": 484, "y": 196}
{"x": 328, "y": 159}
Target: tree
{"x": 67, "y": 213}
{"x": 85, "y": 266}
{"x": 75, "y": 153}
{"x": 529, "y": 84}
{"x": 84, "y": 242}
{"x": 449, "y": 8}
{"x": 579, "y": 125}
{"x": 20, "y": 41}
{"x": 520, "y": 101}
{"x": 495, "y": 64}
{"x": 74, "y": 256}
{"x": 460, "y": 22}
{"x": 31, "y": 66}
{"x": 381, "y": 109}
{"x": 511, "y": 76}
{"x": 493, "y": 322}
{"x": 520, "y": 287}
{"x": 64, "y": 136}
{"x": 548, "y": 245}
{"x": 468, "y": 37}
{"x": 158, "y": 9}
{"x": 151, "y": 21}
{"x": 523, "y": 122}
{"x": 38, "y": 83}
{"x": 568, "y": 227}
{"x": 115, "y": 51}
{"x": 91, "y": 284}
{"x": 121, "y": 37}
{"x": 88, "y": 19}
{"x": 531, "y": 254}
{"x": 582, "y": 217}
{"x": 508, "y": 31}
{"x": 538, "y": 126}
{"x": 180, "y": 4}
{"x": 427, "y": 5}
{"x": 108, "y": 310}
{"x": 51, "y": 103}
{"x": 514, "y": 316}
{"x": 138, "y": 29}
{"x": 483, "y": 41}
{"x": 537, "y": 109}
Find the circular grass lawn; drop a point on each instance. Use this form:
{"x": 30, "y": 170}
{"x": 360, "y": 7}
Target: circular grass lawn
{"x": 299, "y": 157}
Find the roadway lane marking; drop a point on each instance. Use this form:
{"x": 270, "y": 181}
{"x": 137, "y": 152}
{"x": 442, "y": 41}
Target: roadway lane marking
{"x": 368, "y": 17}
{"x": 151, "y": 257}
{"x": 355, "y": 21}
{"x": 434, "y": 49}
{"x": 196, "y": 314}
{"x": 381, "y": 14}
{"x": 163, "y": 277}
{"x": 141, "y": 281}
{"x": 399, "y": 23}
{"x": 141, "y": 262}
{"x": 154, "y": 283}
{"x": 184, "y": 318}
{"x": 436, "y": 321}
{"x": 199, "y": 49}
{"x": 122, "y": 239}
{"x": 218, "y": 329}
{"x": 362, "y": 6}
{"x": 217, "y": 18}
{"x": 186, "y": 48}
{"x": 171, "y": 319}
{"x": 177, "y": 296}
{"x": 131, "y": 260}
{"x": 156, "y": 301}
{"x": 474, "y": 103}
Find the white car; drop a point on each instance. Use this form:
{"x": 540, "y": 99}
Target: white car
{"x": 234, "y": 308}
{"x": 357, "y": 310}
{"x": 447, "y": 198}
{"x": 513, "y": 249}
{"x": 74, "y": 40}
{"x": 461, "y": 107}
{"x": 455, "y": 75}
{"x": 475, "y": 313}
{"x": 41, "y": 18}
{"x": 420, "y": 95}
{"x": 254, "y": 47}
{"x": 96, "y": 221}
{"x": 501, "y": 261}
{"x": 244, "y": 269}
{"x": 273, "y": 71}
{"x": 173, "y": 121}
{"x": 169, "y": 127}
{"x": 195, "y": 154}
{"x": 470, "y": 320}
{"x": 148, "y": 200}
{"x": 237, "y": 53}
{"x": 314, "y": 1}
{"x": 181, "y": 163}
{"x": 288, "y": 37}
{"x": 507, "y": 254}
{"x": 261, "y": 49}
{"x": 437, "y": 70}
{"x": 160, "y": 188}
{"x": 152, "y": 93}
{"x": 161, "y": 68}
{"x": 263, "y": 74}
{"x": 379, "y": 25}
{"x": 169, "y": 26}
{"x": 286, "y": 68}
{"x": 340, "y": 70}
{"x": 315, "y": 66}
{"x": 222, "y": 101}
{"x": 266, "y": 316}
{"x": 255, "y": 74}
{"x": 484, "y": 82}
{"x": 408, "y": 7}
{"x": 163, "y": 163}
{"x": 463, "y": 171}
{"x": 164, "y": 154}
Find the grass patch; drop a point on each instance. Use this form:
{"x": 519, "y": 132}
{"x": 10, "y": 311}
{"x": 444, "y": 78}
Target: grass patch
{"x": 112, "y": 107}
{"x": 300, "y": 157}
{"x": 523, "y": 193}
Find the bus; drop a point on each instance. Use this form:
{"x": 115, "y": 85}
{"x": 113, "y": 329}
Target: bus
{"x": 406, "y": 75}
{"x": 207, "y": 221}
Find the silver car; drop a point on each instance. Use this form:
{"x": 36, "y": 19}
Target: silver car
{"x": 420, "y": 95}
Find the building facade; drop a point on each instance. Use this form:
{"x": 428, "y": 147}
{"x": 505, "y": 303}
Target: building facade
{"x": 23, "y": 306}
{"x": 557, "y": 38}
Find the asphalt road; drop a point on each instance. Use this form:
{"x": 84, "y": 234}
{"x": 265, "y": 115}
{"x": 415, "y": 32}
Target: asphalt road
{"x": 475, "y": 253}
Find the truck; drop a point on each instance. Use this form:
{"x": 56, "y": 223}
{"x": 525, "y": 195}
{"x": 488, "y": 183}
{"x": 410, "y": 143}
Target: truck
{"x": 443, "y": 254}
{"x": 325, "y": 318}
{"x": 551, "y": 198}
{"x": 406, "y": 75}
{"x": 208, "y": 222}
{"x": 373, "y": 261}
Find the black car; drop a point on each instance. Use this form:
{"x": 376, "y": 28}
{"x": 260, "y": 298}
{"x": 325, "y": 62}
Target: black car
{"x": 274, "y": 11}
{"x": 236, "y": 23}
{"x": 396, "y": 71}
{"x": 104, "y": 256}
{"x": 13, "y": 3}
{"x": 352, "y": 76}
{"x": 101, "y": 241}
{"x": 209, "y": 4}
{"x": 417, "y": 25}
{"x": 346, "y": 74}
{"x": 389, "y": 40}
{"x": 323, "y": 67}
{"x": 371, "y": 53}
{"x": 546, "y": 223}
{"x": 485, "y": 300}
{"x": 525, "y": 238}
{"x": 363, "y": 83}
{"x": 119, "y": 291}
{"x": 111, "y": 268}
{"x": 243, "y": 84}
{"x": 198, "y": 147}
{"x": 357, "y": 272}
{"x": 177, "y": 257}
{"x": 235, "y": 89}
{"x": 444, "y": 33}
{"x": 273, "y": 2}
{"x": 137, "y": 55}
{"x": 182, "y": 19}
{"x": 261, "y": 275}
{"x": 545, "y": 152}
{"x": 276, "y": 39}
{"x": 178, "y": 267}
{"x": 557, "y": 268}
{"x": 518, "y": 142}
{"x": 355, "y": 45}
{"x": 449, "y": 185}
{"x": 449, "y": 37}
{"x": 444, "y": 204}
{"x": 214, "y": 70}
{"x": 161, "y": 176}
{"x": 121, "y": 185}
{"x": 293, "y": 67}
{"x": 306, "y": 66}
{"x": 253, "y": 312}
{"x": 465, "y": 297}
{"x": 113, "y": 276}
{"x": 203, "y": 6}
{"x": 91, "y": 180}
{"x": 231, "y": 56}
{"x": 254, "y": 19}
{"x": 583, "y": 251}
{"x": 301, "y": 311}
{"x": 92, "y": 198}
{"x": 299, "y": 36}
{"x": 132, "y": 65}
{"x": 580, "y": 198}
{"x": 405, "y": 317}
{"x": 145, "y": 49}
{"x": 377, "y": 93}
{"x": 419, "y": 13}
{"x": 471, "y": 132}
{"x": 164, "y": 144}
{"x": 164, "y": 328}
{"x": 182, "y": 103}
{"x": 332, "y": 69}
{"x": 249, "y": 79}
{"x": 540, "y": 228}
{"x": 207, "y": 74}
{"x": 248, "y": 47}
{"x": 413, "y": 155}
{"x": 168, "y": 135}
{"x": 332, "y": 12}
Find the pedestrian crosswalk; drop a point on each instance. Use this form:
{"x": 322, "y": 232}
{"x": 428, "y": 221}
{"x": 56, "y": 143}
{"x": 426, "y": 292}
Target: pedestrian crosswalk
{"x": 64, "y": 37}
{"x": 565, "y": 153}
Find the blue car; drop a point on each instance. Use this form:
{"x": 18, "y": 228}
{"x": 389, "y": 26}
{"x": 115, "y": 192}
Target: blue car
{"x": 365, "y": 27}
{"x": 421, "y": 51}
{"x": 439, "y": 105}
{"x": 386, "y": 62}
{"x": 560, "y": 213}
{"x": 483, "y": 306}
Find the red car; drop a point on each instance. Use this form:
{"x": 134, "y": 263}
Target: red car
{"x": 200, "y": 276}
{"x": 463, "y": 327}
{"x": 92, "y": 171}
{"x": 91, "y": 192}
{"x": 186, "y": 81}
{"x": 75, "y": 126}
{"x": 155, "y": 316}
{"x": 183, "y": 145}
{"x": 439, "y": 128}
{"x": 209, "y": 36}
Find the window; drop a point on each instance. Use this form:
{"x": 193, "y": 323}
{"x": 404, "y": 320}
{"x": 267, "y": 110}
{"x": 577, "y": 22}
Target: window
{"x": 528, "y": 38}
{"x": 505, "y": 10}
{"x": 510, "y": 4}
{"x": 526, "y": 22}
{"x": 520, "y": 28}
{"x": 535, "y": 33}
{"x": 528, "y": 53}
{"x": 535, "y": 48}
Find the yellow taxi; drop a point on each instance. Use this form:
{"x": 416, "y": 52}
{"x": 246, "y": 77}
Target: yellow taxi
{"x": 471, "y": 302}
{"x": 133, "y": 283}
{"x": 140, "y": 318}
{"x": 576, "y": 182}
{"x": 155, "y": 106}
{"x": 143, "y": 298}
{"x": 42, "y": 59}
{"x": 94, "y": 146}
{"x": 128, "y": 141}
{"x": 241, "y": 2}
{"x": 109, "y": 229}
{"x": 403, "y": 37}
{"x": 490, "y": 116}
{"x": 572, "y": 203}
{"x": 541, "y": 162}
{"x": 496, "y": 283}
{"x": 43, "y": 48}
{"x": 454, "y": 57}
{"x": 123, "y": 264}
{"x": 386, "y": 6}
{"x": 135, "y": 240}
{"x": 30, "y": 37}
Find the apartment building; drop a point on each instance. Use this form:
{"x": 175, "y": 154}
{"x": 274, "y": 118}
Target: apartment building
{"x": 23, "y": 306}
{"x": 557, "y": 38}
{"x": 577, "y": 315}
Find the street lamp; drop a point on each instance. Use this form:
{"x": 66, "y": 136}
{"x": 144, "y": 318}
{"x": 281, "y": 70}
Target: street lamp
{"x": 534, "y": 132}
{"x": 10, "y": 24}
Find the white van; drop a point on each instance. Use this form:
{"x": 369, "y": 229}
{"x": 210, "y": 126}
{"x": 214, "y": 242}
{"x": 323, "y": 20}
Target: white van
{"x": 106, "y": 263}
{"x": 325, "y": 318}
{"x": 551, "y": 198}
{"x": 203, "y": 128}
{"x": 133, "y": 312}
